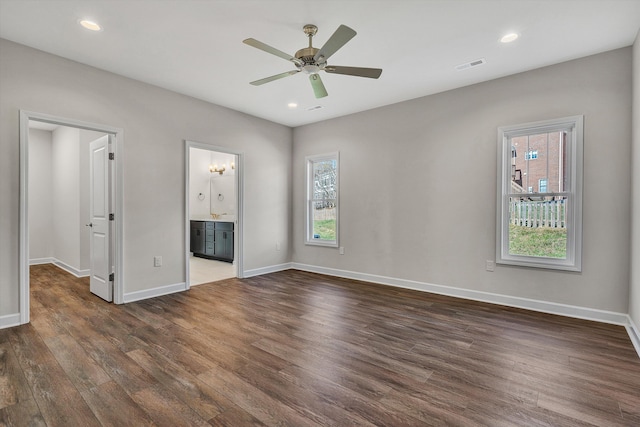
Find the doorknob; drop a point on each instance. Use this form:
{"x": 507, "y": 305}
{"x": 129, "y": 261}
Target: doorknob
{"x": 89, "y": 225}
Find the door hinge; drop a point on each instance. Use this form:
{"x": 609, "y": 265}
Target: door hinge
{"x": 112, "y": 156}
{"x": 112, "y": 217}
{"x": 111, "y": 277}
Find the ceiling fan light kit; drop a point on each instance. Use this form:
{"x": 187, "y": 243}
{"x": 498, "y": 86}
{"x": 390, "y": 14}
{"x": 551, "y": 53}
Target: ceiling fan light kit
{"x": 311, "y": 60}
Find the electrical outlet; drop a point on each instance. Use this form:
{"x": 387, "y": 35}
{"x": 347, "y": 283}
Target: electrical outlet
{"x": 277, "y": 246}
{"x": 157, "y": 261}
{"x": 491, "y": 265}
{"x": 341, "y": 250}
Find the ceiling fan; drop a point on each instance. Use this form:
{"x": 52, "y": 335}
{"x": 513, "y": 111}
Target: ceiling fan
{"x": 311, "y": 60}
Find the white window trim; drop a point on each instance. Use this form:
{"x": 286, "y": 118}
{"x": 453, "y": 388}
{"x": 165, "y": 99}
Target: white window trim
{"x": 309, "y": 160}
{"x": 573, "y": 261}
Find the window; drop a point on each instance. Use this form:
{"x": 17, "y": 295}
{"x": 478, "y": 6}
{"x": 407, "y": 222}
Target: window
{"x": 542, "y": 185}
{"x": 531, "y": 155}
{"x": 322, "y": 200}
{"x": 543, "y": 228}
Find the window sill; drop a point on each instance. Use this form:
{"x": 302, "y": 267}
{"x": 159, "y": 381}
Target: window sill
{"x": 544, "y": 263}
{"x": 326, "y": 244}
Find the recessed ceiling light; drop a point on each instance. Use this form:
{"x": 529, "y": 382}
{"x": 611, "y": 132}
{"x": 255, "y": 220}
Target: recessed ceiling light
{"x": 292, "y": 105}
{"x": 90, "y": 25}
{"x": 508, "y": 38}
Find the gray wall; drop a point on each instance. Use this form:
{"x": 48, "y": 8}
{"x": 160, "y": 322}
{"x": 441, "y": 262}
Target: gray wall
{"x": 156, "y": 122}
{"x": 418, "y": 183}
{"x": 40, "y": 195}
{"x": 65, "y": 149}
{"x": 634, "y": 294}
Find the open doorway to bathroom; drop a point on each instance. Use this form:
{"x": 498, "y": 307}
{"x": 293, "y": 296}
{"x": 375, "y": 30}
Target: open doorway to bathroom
{"x": 213, "y": 214}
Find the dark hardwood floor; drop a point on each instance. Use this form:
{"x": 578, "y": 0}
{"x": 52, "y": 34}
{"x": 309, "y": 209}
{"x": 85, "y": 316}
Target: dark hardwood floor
{"x": 301, "y": 349}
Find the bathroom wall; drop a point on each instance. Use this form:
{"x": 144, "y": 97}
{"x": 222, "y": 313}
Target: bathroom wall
{"x": 223, "y": 187}
{"x": 211, "y": 192}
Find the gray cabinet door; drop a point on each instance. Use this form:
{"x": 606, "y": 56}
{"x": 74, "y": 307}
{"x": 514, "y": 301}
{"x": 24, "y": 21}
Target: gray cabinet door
{"x": 197, "y": 237}
{"x": 224, "y": 241}
{"x": 224, "y": 245}
{"x": 219, "y": 243}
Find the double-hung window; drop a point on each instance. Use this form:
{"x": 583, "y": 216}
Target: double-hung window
{"x": 322, "y": 200}
{"x": 539, "y": 221}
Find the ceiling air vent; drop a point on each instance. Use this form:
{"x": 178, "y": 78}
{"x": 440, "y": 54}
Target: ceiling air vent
{"x": 471, "y": 64}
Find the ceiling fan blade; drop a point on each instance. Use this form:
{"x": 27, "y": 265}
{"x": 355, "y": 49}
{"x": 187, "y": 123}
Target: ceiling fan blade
{"x": 272, "y": 50}
{"x": 372, "y": 73}
{"x": 338, "y": 39}
{"x": 317, "y": 85}
{"x": 276, "y": 77}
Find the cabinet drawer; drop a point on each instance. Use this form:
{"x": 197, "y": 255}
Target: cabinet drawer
{"x": 199, "y": 225}
{"x": 210, "y": 225}
{"x": 224, "y": 226}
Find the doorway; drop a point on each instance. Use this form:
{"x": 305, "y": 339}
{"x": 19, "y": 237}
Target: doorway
{"x": 70, "y": 230}
{"x": 213, "y": 212}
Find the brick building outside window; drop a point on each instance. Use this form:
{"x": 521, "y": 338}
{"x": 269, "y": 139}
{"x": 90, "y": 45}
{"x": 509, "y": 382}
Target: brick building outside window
{"x": 539, "y": 163}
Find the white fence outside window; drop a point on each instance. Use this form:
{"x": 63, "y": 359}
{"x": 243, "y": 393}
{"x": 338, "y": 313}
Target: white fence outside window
{"x": 543, "y": 213}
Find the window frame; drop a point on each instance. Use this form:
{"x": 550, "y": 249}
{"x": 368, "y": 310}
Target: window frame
{"x": 309, "y": 162}
{"x": 574, "y": 126}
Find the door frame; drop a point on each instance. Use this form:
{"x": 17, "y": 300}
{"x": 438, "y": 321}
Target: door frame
{"x": 117, "y": 197}
{"x": 240, "y": 202}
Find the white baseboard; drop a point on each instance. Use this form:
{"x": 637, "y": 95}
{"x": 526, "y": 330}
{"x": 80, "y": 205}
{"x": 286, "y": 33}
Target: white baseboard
{"x": 60, "y": 264}
{"x": 38, "y": 261}
{"x": 154, "y": 292}
{"x": 634, "y": 334}
{"x": 266, "y": 270}
{"x": 9, "y": 320}
{"x": 70, "y": 269}
{"x": 518, "y": 302}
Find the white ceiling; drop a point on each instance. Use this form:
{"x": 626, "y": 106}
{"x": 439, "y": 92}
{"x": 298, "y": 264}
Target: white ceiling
{"x": 195, "y": 47}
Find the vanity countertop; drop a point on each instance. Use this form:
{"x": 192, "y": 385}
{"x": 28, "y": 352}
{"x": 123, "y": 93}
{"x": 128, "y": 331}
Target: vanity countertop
{"x": 223, "y": 218}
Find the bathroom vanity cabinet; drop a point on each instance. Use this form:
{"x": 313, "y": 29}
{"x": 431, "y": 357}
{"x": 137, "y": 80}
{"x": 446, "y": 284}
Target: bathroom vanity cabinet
{"x": 212, "y": 239}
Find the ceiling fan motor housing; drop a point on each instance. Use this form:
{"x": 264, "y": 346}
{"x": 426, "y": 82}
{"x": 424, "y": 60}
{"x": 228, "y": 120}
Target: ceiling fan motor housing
{"x": 309, "y": 64}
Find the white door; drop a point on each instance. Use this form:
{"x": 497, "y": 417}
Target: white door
{"x": 99, "y": 209}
